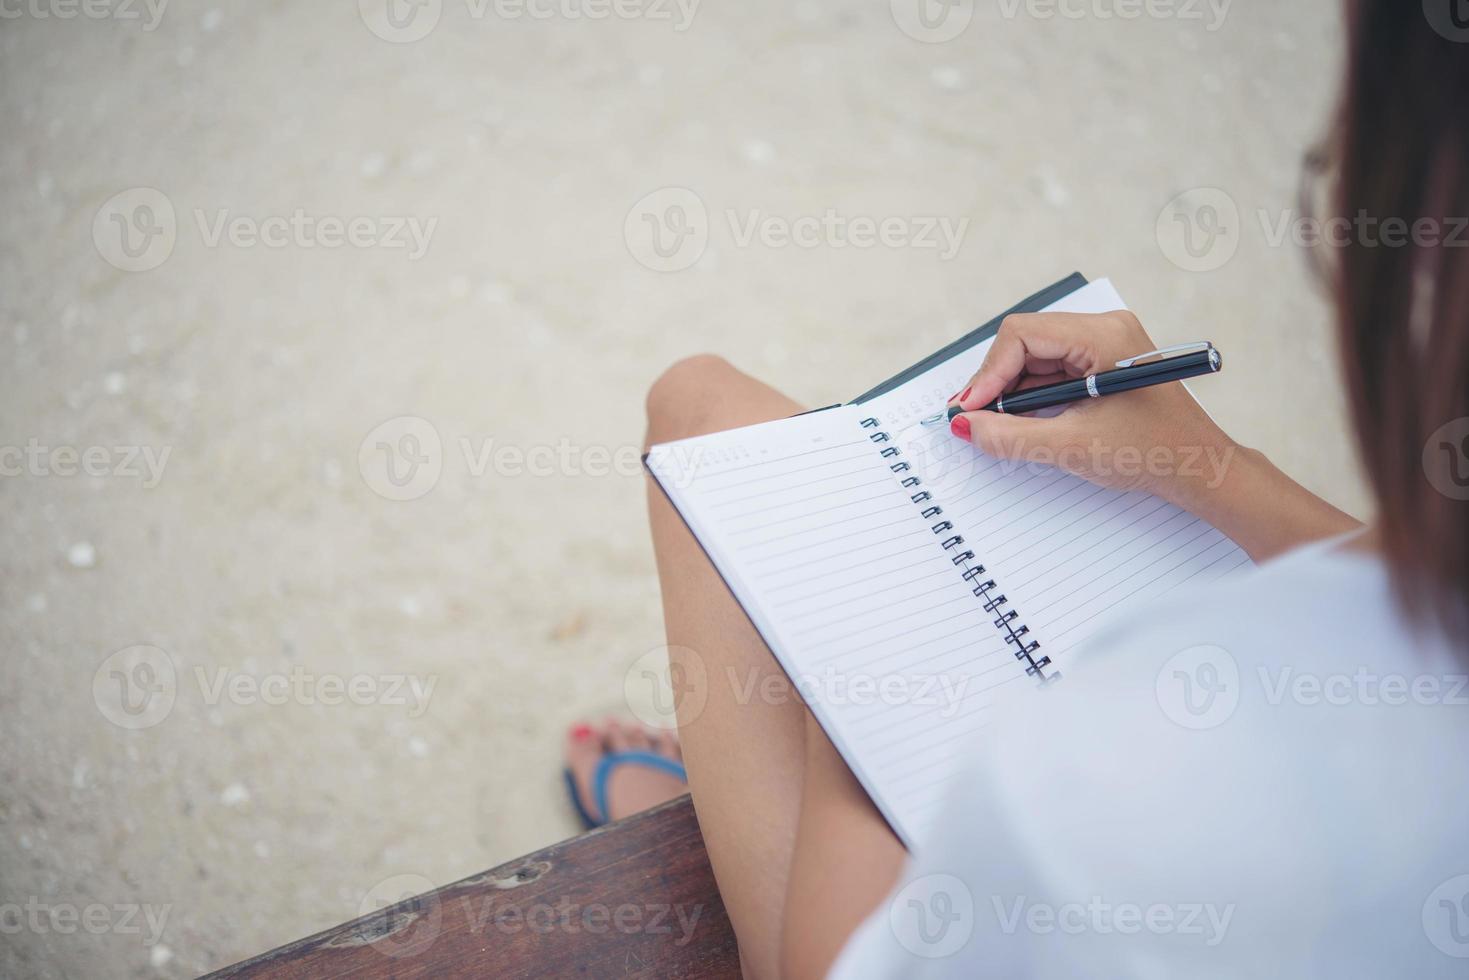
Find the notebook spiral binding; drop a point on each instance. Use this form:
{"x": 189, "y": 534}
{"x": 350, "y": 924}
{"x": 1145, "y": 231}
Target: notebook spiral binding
{"x": 983, "y": 587}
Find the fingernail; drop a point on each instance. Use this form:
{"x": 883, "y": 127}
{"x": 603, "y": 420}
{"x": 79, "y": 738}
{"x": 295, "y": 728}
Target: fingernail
{"x": 966, "y": 394}
{"x": 960, "y": 427}
{"x": 581, "y": 732}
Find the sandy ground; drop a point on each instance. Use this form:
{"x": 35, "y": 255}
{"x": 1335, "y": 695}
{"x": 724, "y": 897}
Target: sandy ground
{"x": 206, "y": 682}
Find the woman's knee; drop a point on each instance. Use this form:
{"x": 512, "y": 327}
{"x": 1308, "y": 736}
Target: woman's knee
{"x": 679, "y": 399}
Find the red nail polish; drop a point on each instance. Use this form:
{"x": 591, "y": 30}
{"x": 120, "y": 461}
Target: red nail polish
{"x": 581, "y": 732}
{"x": 960, "y": 427}
{"x": 966, "y": 393}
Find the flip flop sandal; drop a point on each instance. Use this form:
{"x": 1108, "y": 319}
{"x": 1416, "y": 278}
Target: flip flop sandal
{"x": 604, "y": 771}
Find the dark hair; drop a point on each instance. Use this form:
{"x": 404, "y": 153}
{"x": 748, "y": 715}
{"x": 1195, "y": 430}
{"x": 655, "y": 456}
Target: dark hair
{"x": 1399, "y": 149}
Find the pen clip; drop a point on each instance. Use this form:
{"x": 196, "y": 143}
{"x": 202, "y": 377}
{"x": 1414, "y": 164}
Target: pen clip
{"x": 1175, "y": 349}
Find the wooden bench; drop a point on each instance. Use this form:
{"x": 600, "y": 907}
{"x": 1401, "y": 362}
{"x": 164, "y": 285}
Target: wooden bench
{"x": 633, "y": 899}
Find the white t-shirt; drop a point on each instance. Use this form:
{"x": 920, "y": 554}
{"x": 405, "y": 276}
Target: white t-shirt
{"x": 1263, "y": 778}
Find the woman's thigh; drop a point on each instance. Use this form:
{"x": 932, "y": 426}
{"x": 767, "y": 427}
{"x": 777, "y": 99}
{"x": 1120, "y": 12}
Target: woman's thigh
{"x": 741, "y": 725}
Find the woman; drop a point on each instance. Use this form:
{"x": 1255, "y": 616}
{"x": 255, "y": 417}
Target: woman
{"x": 1314, "y": 824}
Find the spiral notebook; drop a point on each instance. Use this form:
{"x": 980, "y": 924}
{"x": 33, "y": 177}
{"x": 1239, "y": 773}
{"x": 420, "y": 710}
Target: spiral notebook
{"x": 907, "y": 582}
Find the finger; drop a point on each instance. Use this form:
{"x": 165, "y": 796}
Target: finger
{"x": 1034, "y": 343}
{"x": 1014, "y": 437}
{"x": 1028, "y": 380}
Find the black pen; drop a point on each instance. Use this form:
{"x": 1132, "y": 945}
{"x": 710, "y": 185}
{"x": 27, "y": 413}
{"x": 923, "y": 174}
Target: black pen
{"x": 1191, "y": 361}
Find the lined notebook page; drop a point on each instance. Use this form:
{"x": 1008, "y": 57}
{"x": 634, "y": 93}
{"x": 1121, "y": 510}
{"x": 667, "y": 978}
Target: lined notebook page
{"x": 848, "y": 584}
{"x": 1067, "y": 554}
{"x": 850, "y": 587}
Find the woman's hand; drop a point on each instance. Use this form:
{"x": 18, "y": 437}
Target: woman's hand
{"x": 1156, "y": 439}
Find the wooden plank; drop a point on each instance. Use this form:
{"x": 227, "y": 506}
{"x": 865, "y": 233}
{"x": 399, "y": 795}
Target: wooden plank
{"x": 636, "y": 899}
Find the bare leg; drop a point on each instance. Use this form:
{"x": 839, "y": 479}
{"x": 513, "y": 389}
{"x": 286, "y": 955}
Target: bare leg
{"x": 745, "y": 759}
{"x": 780, "y": 812}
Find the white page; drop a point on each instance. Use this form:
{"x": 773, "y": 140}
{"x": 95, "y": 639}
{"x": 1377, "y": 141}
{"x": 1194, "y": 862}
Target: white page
{"x": 854, "y": 594}
{"x": 847, "y": 583}
{"x": 1067, "y": 554}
